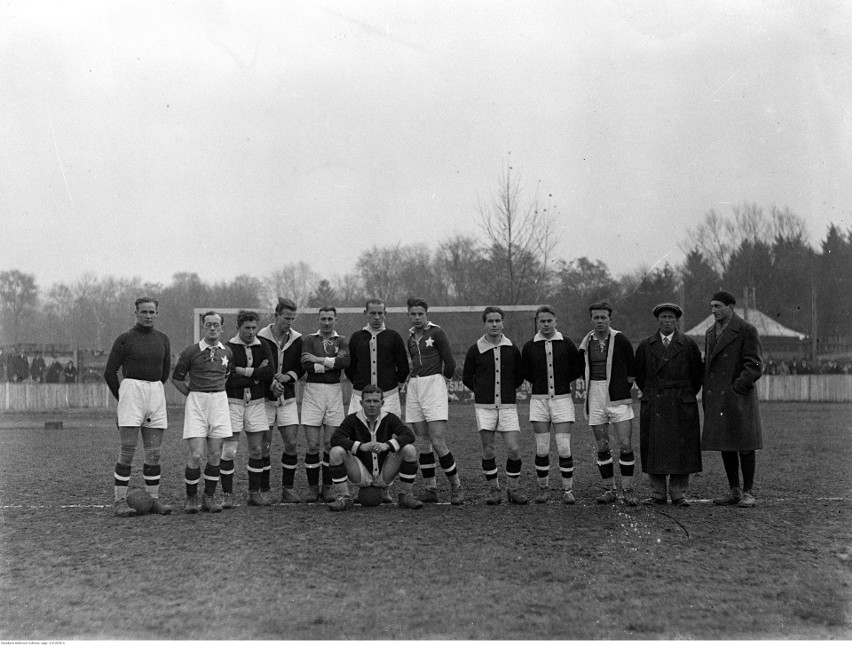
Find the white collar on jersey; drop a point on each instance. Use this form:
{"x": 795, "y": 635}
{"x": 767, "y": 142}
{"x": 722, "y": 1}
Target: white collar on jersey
{"x": 413, "y": 330}
{"x": 202, "y": 345}
{"x": 363, "y": 417}
{"x": 486, "y": 346}
{"x": 236, "y": 340}
{"x": 557, "y": 335}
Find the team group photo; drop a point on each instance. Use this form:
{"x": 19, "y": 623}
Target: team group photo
{"x": 436, "y": 320}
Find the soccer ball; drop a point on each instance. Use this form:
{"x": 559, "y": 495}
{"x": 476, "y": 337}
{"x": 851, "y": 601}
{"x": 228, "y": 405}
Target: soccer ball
{"x": 370, "y": 495}
{"x": 140, "y": 501}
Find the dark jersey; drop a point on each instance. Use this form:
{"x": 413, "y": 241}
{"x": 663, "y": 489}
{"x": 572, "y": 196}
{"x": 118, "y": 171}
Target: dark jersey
{"x": 141, "y": 354}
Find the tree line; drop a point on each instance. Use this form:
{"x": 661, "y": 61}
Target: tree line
{"x": 509, "y": 262}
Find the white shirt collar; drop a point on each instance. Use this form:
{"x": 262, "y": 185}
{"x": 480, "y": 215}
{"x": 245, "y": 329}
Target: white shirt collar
{"x": 202, "y": 345}
{"x": 557, "y": 335}
{"x": 363, "y": 417}
{"x": 318, "y": 332}
{"x": 236, "y": 340}
{"x": 413, "y": 330}
{"x": 485, "y": 345}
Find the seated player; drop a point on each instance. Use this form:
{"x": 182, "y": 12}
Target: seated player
{"x": 370, "y": 448}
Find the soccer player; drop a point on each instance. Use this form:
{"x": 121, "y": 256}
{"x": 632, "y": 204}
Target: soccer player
{"x": 426, "y": 402}
{"x": 143, "y": 355}
{"x": 252, "y": 372}
{"x": 377, "y": 356}
{"x": 370, "y": 448}
{"x": 551, "y": 364}
{"x": 281, "y": 408}
{"x": 324, "y": 357}
{"x": 733, "y": 363}
{"x": 207, "y": 419}
{"x": 493, "y": 372}
{"x": 669, "y": 372}
{"x": 610, "y": 370}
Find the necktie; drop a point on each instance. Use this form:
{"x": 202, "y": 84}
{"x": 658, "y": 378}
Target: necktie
{"x": 665, "y": 341}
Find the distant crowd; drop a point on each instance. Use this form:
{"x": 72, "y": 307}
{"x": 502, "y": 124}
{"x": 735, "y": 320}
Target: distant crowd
{"x": 803, "y": 366}
{"x": 18, "y": 367}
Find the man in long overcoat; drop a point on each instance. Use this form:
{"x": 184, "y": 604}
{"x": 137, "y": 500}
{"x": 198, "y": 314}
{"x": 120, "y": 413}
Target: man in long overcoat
{"x": 669, "y": 372}
{"x": 732, "y": 360}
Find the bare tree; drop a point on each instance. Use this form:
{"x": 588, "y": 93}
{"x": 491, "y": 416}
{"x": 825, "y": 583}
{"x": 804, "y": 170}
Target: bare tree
{"x": 714, "y": 239}
{"x": 296, "y": 281}
{"x": 520, "y": 241}
{"x": 18, "y": 296}
{"x": 717, "y": 237}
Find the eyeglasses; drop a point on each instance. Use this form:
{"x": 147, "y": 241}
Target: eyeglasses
{"x": 209, "y": 325}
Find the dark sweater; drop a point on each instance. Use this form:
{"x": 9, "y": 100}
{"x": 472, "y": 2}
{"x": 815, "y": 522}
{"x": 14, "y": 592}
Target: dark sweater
{"x": 493, "y": 382}
{"x": 141, "y": 354}
{"x": 391, "y": 362}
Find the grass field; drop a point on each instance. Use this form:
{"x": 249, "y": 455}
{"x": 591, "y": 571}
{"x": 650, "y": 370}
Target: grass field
{"x": 70, "y": 570}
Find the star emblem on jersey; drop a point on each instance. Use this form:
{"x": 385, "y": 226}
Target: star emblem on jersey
{"x": 430, "y": 342}
{"x": 224, "y": 361}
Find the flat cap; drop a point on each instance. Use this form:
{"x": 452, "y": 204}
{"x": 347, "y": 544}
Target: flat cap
{"x": 668, "y": 306}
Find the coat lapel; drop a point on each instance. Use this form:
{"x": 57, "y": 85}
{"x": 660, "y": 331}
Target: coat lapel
{"x": 728, "y": 335}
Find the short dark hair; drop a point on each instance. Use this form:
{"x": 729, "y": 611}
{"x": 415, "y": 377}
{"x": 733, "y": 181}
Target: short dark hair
{"x": 417, "y": 302}
{"x": 493, "y": 309}
{"x": 212, "y": 313}
{"x": 245, "y": 316}
{"x": 372, "y": 389}
{"x": 545, "y": 309}
{"x": 143, "y": 300}
{"x": 284, "y": 303}
{"x": 603, "y": 305}
{"x": 328, "y": 308}
{"x": 374, "y": 301}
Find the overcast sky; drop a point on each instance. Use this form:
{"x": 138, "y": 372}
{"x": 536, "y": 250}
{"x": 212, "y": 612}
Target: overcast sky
{"x": 147, "y": 138}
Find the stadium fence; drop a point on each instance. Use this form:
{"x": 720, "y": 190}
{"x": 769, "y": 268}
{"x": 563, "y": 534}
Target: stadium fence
{"x": 37, "y": 397}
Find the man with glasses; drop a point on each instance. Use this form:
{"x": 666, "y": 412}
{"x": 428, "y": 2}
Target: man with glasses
{"x": 207, "y": 419}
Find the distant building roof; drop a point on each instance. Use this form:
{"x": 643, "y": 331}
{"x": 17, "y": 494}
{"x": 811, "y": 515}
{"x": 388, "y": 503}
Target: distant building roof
{"x": 766, "y": 326}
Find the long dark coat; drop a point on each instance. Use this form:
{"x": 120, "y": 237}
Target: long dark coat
{"x": 669, "y": 426}
{"x": 731, "y": 367}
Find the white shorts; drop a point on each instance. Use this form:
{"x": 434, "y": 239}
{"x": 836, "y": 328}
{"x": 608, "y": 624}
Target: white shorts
{"x": 322, "y": 403}
{"x": 553, "y": 410}
{"x": 251, "y": 417}
{"x": 499, "y": 420}
{"x": 601, "y": 411}
{"x": 141, "y": 404}
{"x": 366, "y": 475}
{"x": 426, "y": 399}
{"x": 283, "y": 414}
{"x": 207, "y": 415}
{"x": 391, "y": 403}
